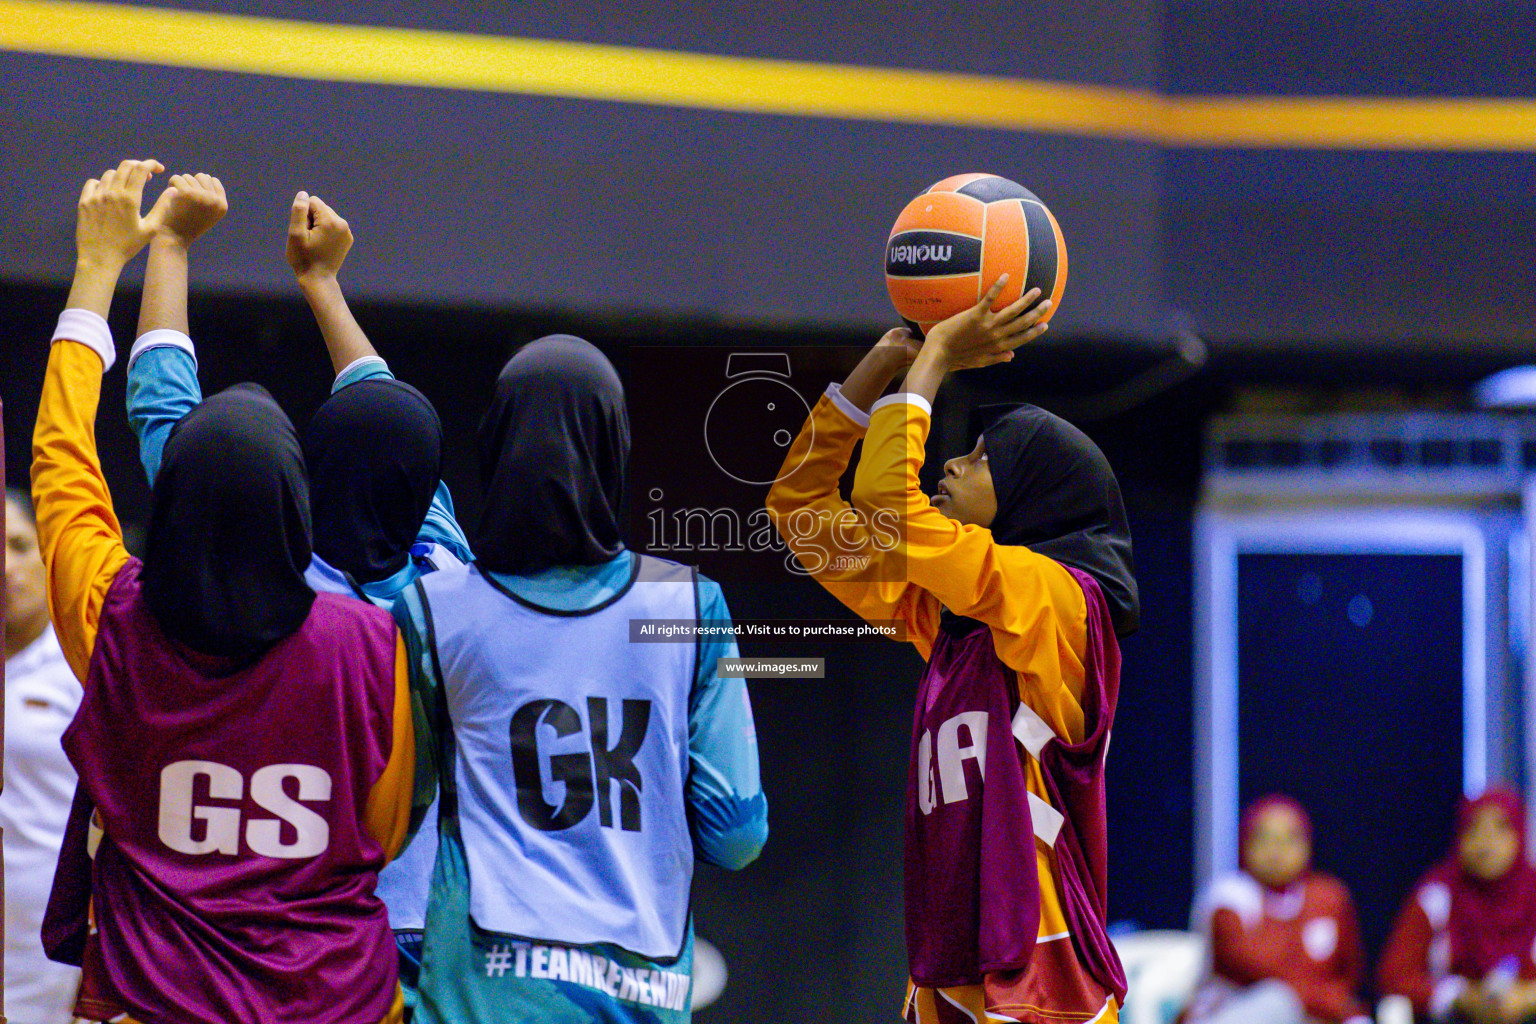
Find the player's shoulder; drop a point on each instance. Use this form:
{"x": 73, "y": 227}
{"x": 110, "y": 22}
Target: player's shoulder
{"x": 1040, "y": 597}
{"x": 1329, "y": 890}
{"x": 655, "y": 569}
{"x": 342, "y": 611}
{"x": 447, "y": 578}
{"x": 431, "y": 556}
{"x": 1236, "y": 892}
{"x": 710, "y": 595}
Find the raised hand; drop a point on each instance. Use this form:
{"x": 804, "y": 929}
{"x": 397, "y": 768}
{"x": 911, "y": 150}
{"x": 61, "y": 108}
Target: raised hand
{"x": 979, "y": 337}
{"x": 189, "y": 207}
{"x": 109, "y": 230}
{"x": 318, "y": 238}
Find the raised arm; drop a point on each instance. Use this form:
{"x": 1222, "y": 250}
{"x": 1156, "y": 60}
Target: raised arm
{"x": 847, "y": 553}
{"x": 78, "y": 531}
{"x": 162, "y": 368}
{"x": 1021, "y": 595}
{"x": 976, "y": 337}
{"x": 318, "y": 242}
{"x": 190, "y": 205}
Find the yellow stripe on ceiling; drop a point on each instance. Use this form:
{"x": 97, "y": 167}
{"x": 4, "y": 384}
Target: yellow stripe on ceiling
{"x": 455, "y": 60}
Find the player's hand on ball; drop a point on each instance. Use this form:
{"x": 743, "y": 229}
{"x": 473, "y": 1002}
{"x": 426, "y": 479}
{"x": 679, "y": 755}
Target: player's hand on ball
{"x": 109, "y": 230}
{"x": 189, "y": 207}
{"x": 318, "y": 238}
{"x": 979, "y": 337}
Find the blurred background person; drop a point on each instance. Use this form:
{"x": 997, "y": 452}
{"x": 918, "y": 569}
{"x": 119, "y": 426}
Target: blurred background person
{"x": 41, "y": 695}
{"x": 1284, "y": 940}
{"x": 1462, "y": 947}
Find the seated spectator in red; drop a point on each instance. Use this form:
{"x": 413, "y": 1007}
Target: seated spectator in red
{"x": 1462, "y": 946}
{"x": 1285, "y": 944}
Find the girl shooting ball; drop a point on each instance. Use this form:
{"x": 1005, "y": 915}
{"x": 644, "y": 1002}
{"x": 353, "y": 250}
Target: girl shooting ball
{"x": 1013, "y": 581}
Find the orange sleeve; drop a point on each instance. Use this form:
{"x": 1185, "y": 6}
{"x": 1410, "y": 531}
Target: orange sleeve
{"x": 1036, "y": 608}
{"x": 77, "y": 530}
{"x": 1404, "y": 969}
{"x": 388, "y": 814}
{"x": 855, "y": 557}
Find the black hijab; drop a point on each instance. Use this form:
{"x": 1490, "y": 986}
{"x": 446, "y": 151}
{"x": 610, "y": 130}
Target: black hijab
{"x": 554, "y": 455}
{"x": 229, "y": 531}
{"x": 1057, "y": 496}
{"x": 375, "y": 457}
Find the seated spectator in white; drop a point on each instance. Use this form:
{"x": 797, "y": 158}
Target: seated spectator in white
{"x": 1462, "y": 947}
{"x": 1284, "y": 940}
{"x": 41, "y": 695}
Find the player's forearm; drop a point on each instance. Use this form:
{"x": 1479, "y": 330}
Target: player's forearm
{"x": 872, "y": 376}
{"x": 344, "y": 337}
{"x": 927, "y": 373}
{"x": 93, "y": 285}
{"x": 725, "y": 791}
{"x": 814, "y": 464}
{"x": 164, "y": 305}
{"x": 1235, "y": 955}
{"x": 805, "y": 503}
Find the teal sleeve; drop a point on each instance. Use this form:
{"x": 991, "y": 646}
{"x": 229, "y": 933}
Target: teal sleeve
{"x": 162, "y": 388}
{"x": 440, "y": 526}
{"x": 426, "y": 704}
{"x": 728, "y": 810}
{"x": 368, "y": 368}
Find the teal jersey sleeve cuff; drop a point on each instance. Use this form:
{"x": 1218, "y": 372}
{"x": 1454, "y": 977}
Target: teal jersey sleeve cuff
{"x": 162, "y": 388}
{"x": 366, "y": 368}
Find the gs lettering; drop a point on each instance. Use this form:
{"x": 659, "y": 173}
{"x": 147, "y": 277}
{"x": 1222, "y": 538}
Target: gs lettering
{"x": 188, "y": 827}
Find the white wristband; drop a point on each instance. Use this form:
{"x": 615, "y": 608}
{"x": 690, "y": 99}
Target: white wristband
{"x": 359, "y": 361}
{"x": 90, "y": 330}
{"x": 163, "y": 338}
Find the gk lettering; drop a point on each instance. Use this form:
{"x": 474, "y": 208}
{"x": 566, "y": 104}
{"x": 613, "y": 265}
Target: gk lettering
{"x": 189, "y": 827}
{"x": 589, "y": 775}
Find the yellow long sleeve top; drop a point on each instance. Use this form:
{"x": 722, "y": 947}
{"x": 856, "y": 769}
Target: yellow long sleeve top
{"x": 82, "y": 548}
{"x": 889, "y": 555}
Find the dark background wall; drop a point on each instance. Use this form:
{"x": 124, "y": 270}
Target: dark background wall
{"x": 530, "y": 202}
{"x": 1380, "y": 247}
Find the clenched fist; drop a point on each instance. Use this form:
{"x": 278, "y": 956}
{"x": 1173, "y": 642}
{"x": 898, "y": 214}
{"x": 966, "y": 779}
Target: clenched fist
{"x": 318, "y": 238}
